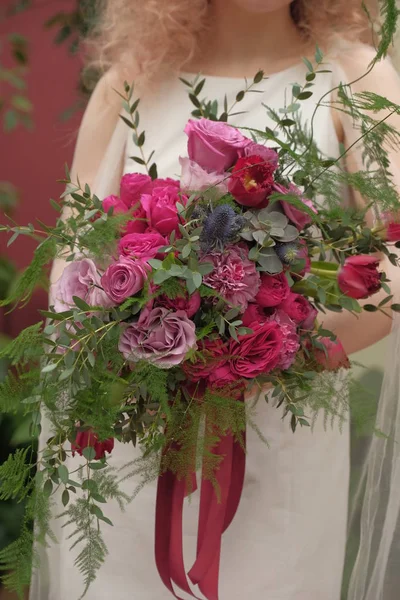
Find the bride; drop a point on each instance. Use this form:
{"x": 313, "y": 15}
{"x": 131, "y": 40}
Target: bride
{"x": 288, "y": 540}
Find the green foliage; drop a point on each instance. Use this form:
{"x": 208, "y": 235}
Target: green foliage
{"x": 16, "y": 562}
{"x": 389, "y": 14}
{"x": 14, "y": 473}
{"x": 27, "y": 346}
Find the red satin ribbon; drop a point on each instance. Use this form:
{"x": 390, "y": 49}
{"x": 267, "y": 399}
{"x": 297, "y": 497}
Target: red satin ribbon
{"x": 215, "y": 516}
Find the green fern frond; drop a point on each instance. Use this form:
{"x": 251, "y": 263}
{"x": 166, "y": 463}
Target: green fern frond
{"x": 32, "y": 275}
{"x": 16, "y": 561}
{"x": 26, "y": 346}
{"x": 108, "y": 486}
{"x": 14, "y": 389}
{"x": 14, "y": 474}
{"x": 389, "y": 15}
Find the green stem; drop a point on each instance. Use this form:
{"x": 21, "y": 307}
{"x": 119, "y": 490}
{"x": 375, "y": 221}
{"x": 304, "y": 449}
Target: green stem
{"x": 326, "y": 273}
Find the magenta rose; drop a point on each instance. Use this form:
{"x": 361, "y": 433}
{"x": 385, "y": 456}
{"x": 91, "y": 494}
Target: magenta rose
{"x": 291, "y": 340}
{"x": 189, "y": 304}
{"x": 223, "y": 376}
{"x": 89, "y": 439}
{"x": 80, "y": 278}
{"x": 213, "y": 353}
{"x": 393, "y": 232}
{"x": 196, "y": 179}
{"x": 298, "y": 217}
{"x": 115, "y": 203}
{"x": 141, "y": 245}
{"x": 334, "y": 357}
{"x": 299, "y": 310}
{"x": 160, "y": 208}
{"x": 132, "y": 186}
{"x": 267, "y": 154}
{"x": 359, "y": 276}
{"x": 160, "y": 336}
{"x": 213, "y": 145}
{"x": 124, "y": 278}
{"x": 234, "y": 276}
{"x": 253, "y": 314}
{"x": 138, "y": 223}
{"x": 258, "y": 352}
{"x": 274, "y": 289}
{"x": 251, "y": 181}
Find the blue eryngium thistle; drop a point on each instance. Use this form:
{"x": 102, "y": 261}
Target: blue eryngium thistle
{"x": 287, "y": 252}
{"x": 220, "y": 227}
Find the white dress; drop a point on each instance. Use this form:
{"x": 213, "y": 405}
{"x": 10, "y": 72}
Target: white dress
{"x": 287, "y": 541}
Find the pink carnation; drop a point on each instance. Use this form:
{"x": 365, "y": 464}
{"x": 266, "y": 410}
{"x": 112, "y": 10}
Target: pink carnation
{"x": 189, "y": 304}
{"x": 234, "y": 276}
{"x": 291, "y": 340}
{"x": 160, "y": 336}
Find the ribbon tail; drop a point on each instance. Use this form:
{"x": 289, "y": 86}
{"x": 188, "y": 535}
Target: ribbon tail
{"x": 237, "y": 480}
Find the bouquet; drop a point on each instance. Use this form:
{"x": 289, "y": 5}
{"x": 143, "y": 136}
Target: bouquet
{"x": 181, "y": 299}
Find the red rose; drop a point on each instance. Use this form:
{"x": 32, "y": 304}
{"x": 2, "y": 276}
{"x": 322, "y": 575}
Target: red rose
{"x": 190, "y": 304}
{"x": 251, "y": 180}
{"x": 393, "y": 232}
{"x": 213, "y": 355}
{"x": 359, "y": 277}
{"x": 299, "y": 310}
{"x": 274, "y": 290}
{"x": 88, "y": 438}
{"x": 334, "y": 358}
{"x": 253, "y": 314}
{"x": 258, "y": 352}
{"x": 141, "y": 245}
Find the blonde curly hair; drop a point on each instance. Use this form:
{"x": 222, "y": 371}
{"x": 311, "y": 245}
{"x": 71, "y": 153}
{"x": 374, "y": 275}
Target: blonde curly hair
{"x": 150, "y": 37}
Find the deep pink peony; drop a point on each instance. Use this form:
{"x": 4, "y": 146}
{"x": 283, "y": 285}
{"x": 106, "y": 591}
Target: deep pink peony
{"x": 79, "y": 278}
{"x": 291, "y": 340}
{"x": 274, "y": 289}
{"x": 196, "y": 179}
{"x": 234, "y": 276}
{"x": 359, "y": 277}
{"x": 115, "y": 203}
{"x": 258, "y": 352}
{"x": 160, "y": 336}
{"x": 298, "y": 217}
{"x": 160, "y": 208}
{"x": 251, "y": 181}
{"x": 299, "y": 310}
{"x": 124, "y": 278}
{"x": 334, "y": 357}
{"x": 213, "y": 145}
{"x": 269, "y": 155}
{"x": 189, "y": 304}
{"x": 89, "y": 439}
{"x": 141, "y": 245}
{"x": 133, "y": 185}
{"x": 214, "y": 354}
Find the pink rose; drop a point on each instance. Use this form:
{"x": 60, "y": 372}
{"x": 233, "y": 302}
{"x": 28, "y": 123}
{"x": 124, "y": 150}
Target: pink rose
{"x": 196, "y": 179}
{"x": 132, "y": 186}
{"x": 251, "y": 181}
{"x": 115, "y": 203}
{"x": 258, "y": 352}
{"x": 160, "y": 208}
{"x": 141, "y": 245}
{"x": 214, "y": 353}
{"x": 138, "y": 223}
{"x": 124, "y": 278}
{"x": 189, "y": 304}
{"x": 274, "y": 289}
{"x": 299, "y": 310}
{"x": 334, "y": 357}
{"x": 269, "y": 155}
{"x": 213, "y": 145}
{"x": 89, "y": 439}
{"x": 81, "y": 279}
{"x": 298, "y": 217}
{"x": 359, "y": 277}
{"x": 160, "y": 337}
{"x": 291, "y": 340}
{"x": 234, "y": 276}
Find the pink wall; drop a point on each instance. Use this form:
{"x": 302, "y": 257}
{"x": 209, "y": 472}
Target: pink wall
{"x": 33, "y": 161}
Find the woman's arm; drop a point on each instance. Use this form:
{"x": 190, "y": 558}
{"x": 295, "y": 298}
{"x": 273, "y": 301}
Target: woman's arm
{"x": 357, "y": 333}
{"x": 97, "y": 127}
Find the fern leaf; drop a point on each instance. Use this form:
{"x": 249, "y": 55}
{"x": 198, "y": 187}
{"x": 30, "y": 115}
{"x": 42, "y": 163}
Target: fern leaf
{"x": 14, "y": 473}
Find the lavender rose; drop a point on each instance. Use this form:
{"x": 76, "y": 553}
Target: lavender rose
{"x": 80, "y": 278}
{"x": 160, "y": 336}
{"x": 213, "y": 145}
{"x": 124, "y": 278}
{"x": 196, "y": 179}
